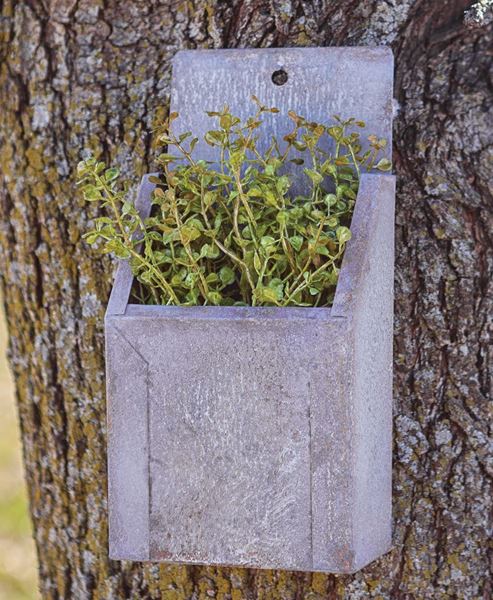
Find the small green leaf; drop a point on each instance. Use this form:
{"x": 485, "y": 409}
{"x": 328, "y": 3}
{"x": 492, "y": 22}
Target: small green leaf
{"x": 184, "y": 136}
{"x": 383, "y": 164}
{"x": 127, "y": 208}
{"x": 111, "y": 174}
{"x": 225, "y": 121}
{"x": 209, "y": 251}
{"x": 178, "y": 277}
{"x": 283, "y": 184}
{"x": 236, "y": 158}
{"x": 277, "y": 285}
{"x": 330, "y": 199}
{"x": 91, "y": 238}
{"x": 257, "y": 263}
{"x": 208, "y": 199}
{"x": 267, "y": 241}
{"x": 92, "y": 193}
{"x": 322, "y": 250}
{"x": 226, "y": 275}
{"x": 214, "y": 298}
{"x": 343, "y": 234}
{"x": 120, "y": 251}
{"x": 335, "y": 132}
{"x": 166, "y": 158}
{"x": 189, "y": 233}
{"x": 212, "y": 278}
{"x": 296, "y": 241}
{"x": 82, "y": 168}
{"x": 266, "y": 294}
{"x": 282, "y": 217}
{"x": 314, "y": 176}
{"x": 270, "y": 198}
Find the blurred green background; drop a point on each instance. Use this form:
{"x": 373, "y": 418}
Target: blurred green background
{"x": 18, "y": 572}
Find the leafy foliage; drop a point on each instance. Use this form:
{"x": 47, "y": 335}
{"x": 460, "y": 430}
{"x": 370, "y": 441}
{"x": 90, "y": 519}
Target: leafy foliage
{"x": 231, "y": 233}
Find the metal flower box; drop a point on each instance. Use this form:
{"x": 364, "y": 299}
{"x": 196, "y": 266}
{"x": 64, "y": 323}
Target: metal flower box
{"x": 261, "y": 437}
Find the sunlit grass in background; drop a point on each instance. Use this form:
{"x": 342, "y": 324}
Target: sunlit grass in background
{"x": 18, "y": 575}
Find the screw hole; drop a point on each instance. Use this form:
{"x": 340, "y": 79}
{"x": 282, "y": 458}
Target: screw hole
{"x": 279, "y": 77}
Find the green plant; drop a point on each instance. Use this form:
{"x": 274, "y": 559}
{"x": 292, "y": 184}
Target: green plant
{"x": 231, "y": 233}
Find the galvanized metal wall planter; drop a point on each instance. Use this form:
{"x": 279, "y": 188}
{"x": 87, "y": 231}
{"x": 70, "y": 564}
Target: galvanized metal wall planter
{"x": 262, "y": 436}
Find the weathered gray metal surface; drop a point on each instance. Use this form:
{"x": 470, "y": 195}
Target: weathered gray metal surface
{"x": 322, "y": 82}
{"x": 258, "y": 436}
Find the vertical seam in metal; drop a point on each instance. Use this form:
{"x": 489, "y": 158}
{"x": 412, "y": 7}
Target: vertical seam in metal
{"x": 149, "y": 482}
{"x": 311, "y": 470}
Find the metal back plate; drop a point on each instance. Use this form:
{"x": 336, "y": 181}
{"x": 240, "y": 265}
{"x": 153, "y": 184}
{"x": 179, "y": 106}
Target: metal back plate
{"x": 321, "y": 82}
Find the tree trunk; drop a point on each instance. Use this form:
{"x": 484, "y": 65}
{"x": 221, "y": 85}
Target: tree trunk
{"x": 95, "y": 74}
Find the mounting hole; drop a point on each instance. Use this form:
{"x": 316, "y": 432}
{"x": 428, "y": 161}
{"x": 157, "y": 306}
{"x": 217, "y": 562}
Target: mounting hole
{"x": 279, "y": 77}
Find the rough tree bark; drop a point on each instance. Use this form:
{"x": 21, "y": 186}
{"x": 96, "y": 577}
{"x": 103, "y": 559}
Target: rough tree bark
{"x": 78, "y": 74}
